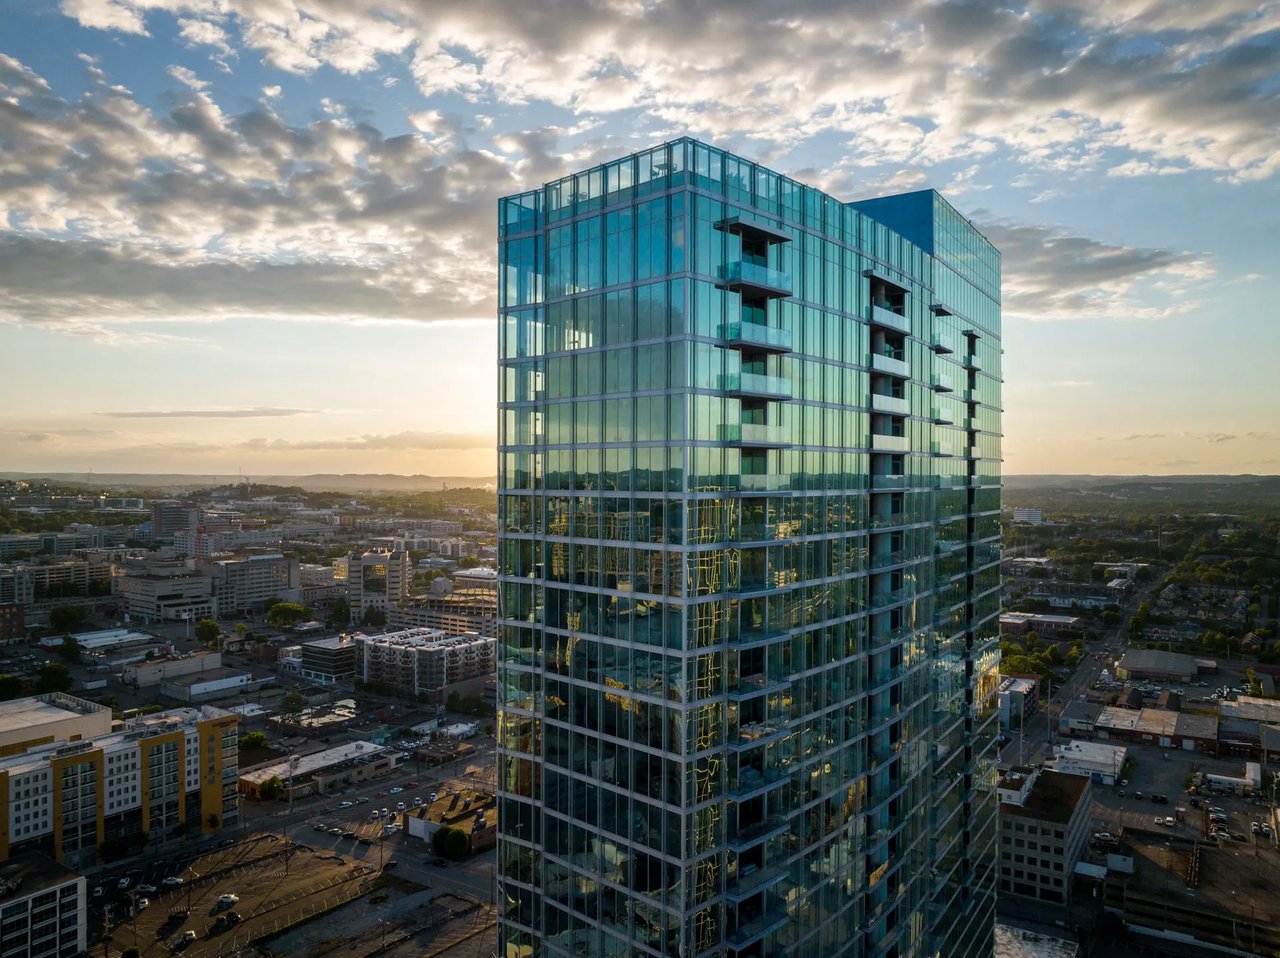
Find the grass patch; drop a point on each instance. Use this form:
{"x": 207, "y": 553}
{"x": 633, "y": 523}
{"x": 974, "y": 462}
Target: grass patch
{"x": 396, "y": 883}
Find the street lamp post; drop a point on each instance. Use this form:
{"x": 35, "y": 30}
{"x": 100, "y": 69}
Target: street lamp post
{"x": 294, "y": 760}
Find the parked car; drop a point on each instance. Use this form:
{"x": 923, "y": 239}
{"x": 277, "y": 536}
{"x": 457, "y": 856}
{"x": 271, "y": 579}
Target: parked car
{"x": 171, "y": 882}
{"x": 397, "y": 790}
{"x": 227, "y": 900}
{"x": 233, "y": 918}
{"x": 400, "y": 806}
{"x": 124, "y": 883}
{"x": 345, "y": 804}
{"x": 362, "y": 800}
{"x": 373, "y": 815}
{"x": 1168, "y": 821}
{"x": 417, "y": 801}
{"x": 141, "y": 904}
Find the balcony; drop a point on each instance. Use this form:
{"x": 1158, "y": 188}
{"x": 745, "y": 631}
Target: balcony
{"x": 758, "y": 586}
{"x": 754, "y": 434}
{"x": 888, "y": 319}
{"x": 756, "y": 336}
{"x": 752, "y": 783}
{"x": 745, "y": 935}
{"x": 749, "y": 229}
{"x": 890, "y": 520}
{"x": 890, "y": 481}
{"x": 752, "y": 878}
{"x": 752, "y": 835}
{"x": 755, "y": 734}
{"x": 880, "y": 443}
{"x": 971, "y": 363}
{"x": 891, "y": 597}
{"x": 765, "y": 533}
{"x": 750, "y": 686}
{"x": 885, "y": 560}
{"x": 890, "y": 404}
{"x": 890, "y": 365}
{"x": 762, "y": 483}
{"x": 756, "y": 385}
{"x": 754, "y": 280}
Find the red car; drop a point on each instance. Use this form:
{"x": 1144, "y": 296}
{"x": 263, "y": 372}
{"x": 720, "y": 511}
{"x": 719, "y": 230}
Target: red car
{"x": 413, "y": 784}
{"x": 382, "y": 794}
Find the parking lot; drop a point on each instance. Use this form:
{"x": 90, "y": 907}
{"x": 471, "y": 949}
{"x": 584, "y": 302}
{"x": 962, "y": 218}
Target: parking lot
{"x": 230, "y": 898}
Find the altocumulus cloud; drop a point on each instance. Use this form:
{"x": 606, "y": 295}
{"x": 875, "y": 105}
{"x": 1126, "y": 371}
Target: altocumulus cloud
{"x": 393, "y": 442}
{"x": 120, "y": 214}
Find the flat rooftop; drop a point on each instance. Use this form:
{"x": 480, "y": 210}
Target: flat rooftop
{"x": 208, "y": 675}
{"x": 315, "y": 762}
{"x": 1053, "y": 798}
{"x": 44, "y": 709}
{"x": 28, "y": 873}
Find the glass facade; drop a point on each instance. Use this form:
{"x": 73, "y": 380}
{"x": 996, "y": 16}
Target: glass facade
{"x": 749, "y": 496}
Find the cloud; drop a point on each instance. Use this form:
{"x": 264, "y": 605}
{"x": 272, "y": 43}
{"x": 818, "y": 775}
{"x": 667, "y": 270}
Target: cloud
{"x": 1051, "y": 274}
{"x": 409, "y": 440}
{"x": 1131, "y": 86}
{"x": 36, "y": 437}
{"x": 255, "y": 412}
{"x": 1218, "y": 437}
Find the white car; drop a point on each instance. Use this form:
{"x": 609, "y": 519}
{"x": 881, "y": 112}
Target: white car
{"x": 171, "y": 882}
{"x": 142, "y": 903}
{"x": 124, "y": 883}
{"x": 345, "y": 804}
{"x": 399, "y": 806}
{"x": 146, "y": 889}
{"x": 396, "y": 790}
{"x": 228, "y": 900}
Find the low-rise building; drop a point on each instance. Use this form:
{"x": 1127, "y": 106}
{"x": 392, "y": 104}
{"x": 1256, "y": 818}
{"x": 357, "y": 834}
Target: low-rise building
{"x": 1045, "y": 626}
{"x": 1078, "y": 718}
{"x": 13, "y": 622}
{"x": 329, "y": 770}
{"x": 202, "y": 542}
{"x": 155, "y": 778}
{"x": 1098, "y": 761}
{"x": 472, "y": 811}
{"x": 1044, "y": 825}
{"x": 375, "y": 580}
{"x": 328, "y": 660}
{"x": 1017, "y": 701}
{"x": 424, "y": 660}
{"x": 1160, "y": 666}
{"x": 165, "y": 668}
{"x": 203, "y": 686}
{"x": 1162, "y": 727}
{"x": 43, "y": 909}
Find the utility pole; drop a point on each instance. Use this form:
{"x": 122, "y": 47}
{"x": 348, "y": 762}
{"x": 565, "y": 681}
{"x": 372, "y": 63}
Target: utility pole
{"x": 293, "y": 765}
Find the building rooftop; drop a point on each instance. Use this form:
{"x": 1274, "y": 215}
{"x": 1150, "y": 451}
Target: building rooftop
{"x": 208, "y": 675}
{"x": 42, "y": 710}
{"x": 333, "y": 642}
{"x": 1250, "y": 708}
{"x": 1080, "y": 711}
{"x": 1017, "y": 618}
{"x": 315, "y": 762}
{"x": 1157, "y": 660}
{"x": 423, "y": 638}
{"x": 1053, "y": 797}
{"x": 27, "y": 873}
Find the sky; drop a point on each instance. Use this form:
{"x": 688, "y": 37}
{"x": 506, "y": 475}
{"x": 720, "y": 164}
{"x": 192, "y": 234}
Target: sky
{"x": 259, "y": 235}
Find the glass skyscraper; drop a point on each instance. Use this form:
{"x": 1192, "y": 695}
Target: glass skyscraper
{"x": 749, "y": 497}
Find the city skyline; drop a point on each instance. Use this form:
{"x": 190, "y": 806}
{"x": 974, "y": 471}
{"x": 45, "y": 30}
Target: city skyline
{"x": 259, "y": 237}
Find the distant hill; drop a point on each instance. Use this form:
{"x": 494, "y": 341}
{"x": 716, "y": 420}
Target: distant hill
{"x": 1129, "y": 494}
{"x": 319, "y": 482}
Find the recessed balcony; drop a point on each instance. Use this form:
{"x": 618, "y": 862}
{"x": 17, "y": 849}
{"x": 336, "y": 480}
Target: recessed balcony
{"x": 890, "y": 365}
{"x": 762, "y": 483}
{"x": 890, "y": 404}
{"x": 756, "y": 385}
{"x": 881, "y": 443}
{"x": 756, "y": 336}
{"x": 758, "y": 435}
{"x": 888, "y": 319}
{"x": 890, "y": 481}
{"x": 754, "y": 280}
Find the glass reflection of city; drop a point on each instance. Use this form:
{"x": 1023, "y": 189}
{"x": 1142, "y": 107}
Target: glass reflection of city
{"x": 749, "y": 541}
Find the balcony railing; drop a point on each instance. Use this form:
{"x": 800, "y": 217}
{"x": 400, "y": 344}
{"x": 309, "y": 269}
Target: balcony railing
{"x": 758, "y": 336}
{"x": 756, "y": 384}
{"x": 890, "y": 404}
{"x": 754, "y": 434}
{"x": 890, "y": 481}
{"x": 755, "y": 280}
{"x": 890, "y": 365}
{"x": 880, "y": 443}
{"x": 762, "y": 483}
{"x": 887, "y": 318}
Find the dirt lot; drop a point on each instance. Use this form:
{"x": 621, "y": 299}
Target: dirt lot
{"x": 272, "y": 894}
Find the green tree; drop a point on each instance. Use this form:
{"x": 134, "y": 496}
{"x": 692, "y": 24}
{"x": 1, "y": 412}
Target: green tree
{"x": 69, "y": 649}
{"x": 291, "y": 705}
{"x": 208, "y": 631}
{"x": 64, "y": 618}
{"x": 283, "y": 615}
{"x": 270, "y": 789}
{"x": 253, "y": 740}
{"x": 340, "y": 614}
{"x": 374, "y": 617}
{"x": 11, "y": 687}
{"x": 241, "y": 629}
{"x": 450, "y": 842}
{"x": 53, "y": 677}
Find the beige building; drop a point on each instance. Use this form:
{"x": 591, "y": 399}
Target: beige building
{"x": 244, "y": 583}
{"x": 166, "y": 591}
{"x": 1044, "y": 825}
{"x": 375, "y": 580}
{"x": 158, "y": 777}
{"x": 51, "y": 717}
{"x": 154, "y": 672}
